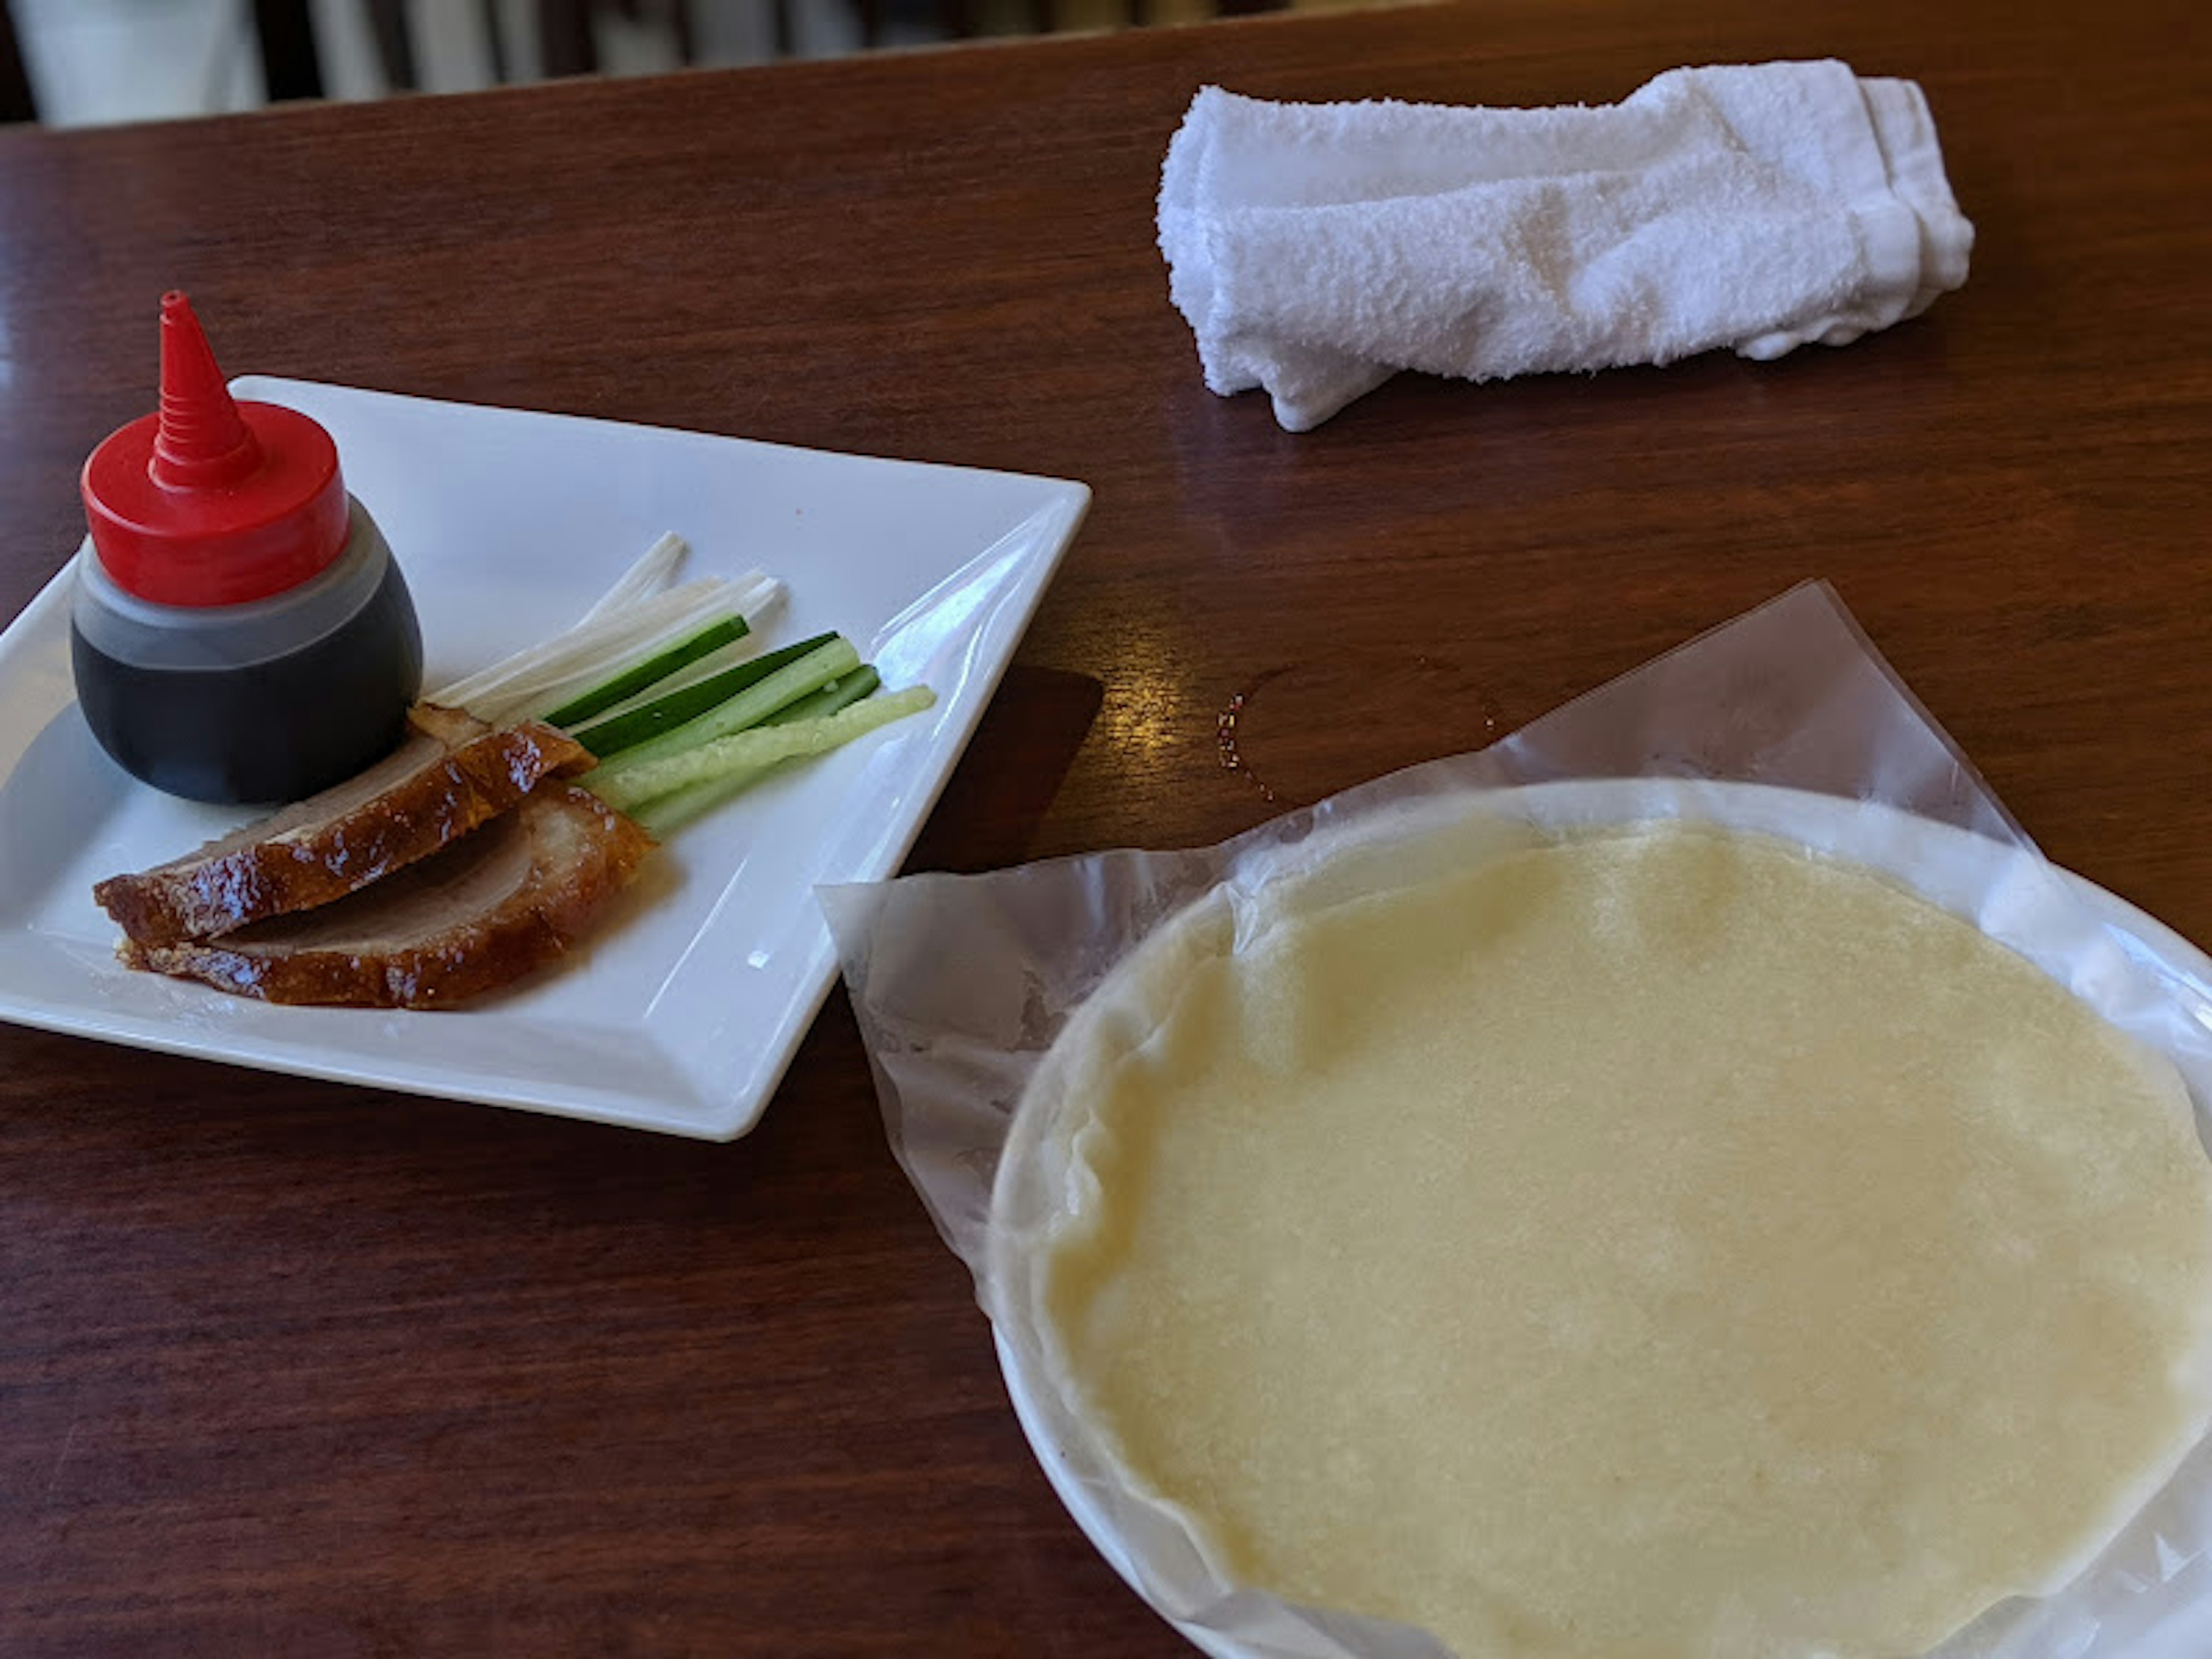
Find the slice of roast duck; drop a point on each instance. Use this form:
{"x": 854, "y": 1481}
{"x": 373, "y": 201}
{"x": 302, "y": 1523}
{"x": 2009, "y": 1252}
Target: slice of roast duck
{"x": 452, "y": 774}
{"x": 495, "y": 904}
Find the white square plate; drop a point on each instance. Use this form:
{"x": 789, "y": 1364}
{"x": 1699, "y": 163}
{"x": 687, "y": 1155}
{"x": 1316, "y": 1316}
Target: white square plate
{"x": 685, "y": 1009}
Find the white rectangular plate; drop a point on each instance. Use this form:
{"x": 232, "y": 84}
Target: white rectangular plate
{"x": 686, "y": 1006}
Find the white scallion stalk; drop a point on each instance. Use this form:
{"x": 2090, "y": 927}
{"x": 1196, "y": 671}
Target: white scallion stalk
{"x": 497, "y": 692}
{"x": 640, "y": 616}
{"x": 758, "y": 595}
{"x": 641, "y": 585}
{"x": 650, "y": 575}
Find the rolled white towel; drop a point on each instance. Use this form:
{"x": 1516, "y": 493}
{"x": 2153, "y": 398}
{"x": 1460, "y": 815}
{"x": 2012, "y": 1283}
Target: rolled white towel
{"x": 1316, "y": 249}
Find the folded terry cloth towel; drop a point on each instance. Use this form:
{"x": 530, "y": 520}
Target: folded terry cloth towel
{"x": 1316, "y": 249}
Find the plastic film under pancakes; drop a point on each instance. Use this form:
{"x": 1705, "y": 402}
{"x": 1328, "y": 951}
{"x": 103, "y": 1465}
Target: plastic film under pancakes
{"x": 1786, "y": 720}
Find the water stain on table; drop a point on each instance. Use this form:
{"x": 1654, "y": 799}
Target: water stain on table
{"x": 1299, "y": 732}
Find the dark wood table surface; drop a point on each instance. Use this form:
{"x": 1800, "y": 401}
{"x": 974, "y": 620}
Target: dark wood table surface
{"x": 292, "y": 1368}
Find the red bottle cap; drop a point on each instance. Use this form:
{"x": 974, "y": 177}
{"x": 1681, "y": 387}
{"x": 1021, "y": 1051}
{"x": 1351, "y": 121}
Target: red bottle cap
{"x": 212, "y": 501}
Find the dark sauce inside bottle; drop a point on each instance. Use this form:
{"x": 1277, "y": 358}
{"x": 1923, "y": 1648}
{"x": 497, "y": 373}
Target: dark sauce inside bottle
{"x": 270, "y": 730}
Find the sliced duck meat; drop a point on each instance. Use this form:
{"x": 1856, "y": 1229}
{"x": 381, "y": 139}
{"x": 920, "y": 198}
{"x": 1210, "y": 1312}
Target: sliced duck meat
{"x": 452, "y": 773}
{"x": 486, "y": 910}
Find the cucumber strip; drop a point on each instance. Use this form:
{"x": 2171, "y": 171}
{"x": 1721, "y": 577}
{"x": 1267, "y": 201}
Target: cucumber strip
{"x": 668, "y": 793}
{"x": 734, "y": 655}
{"x": 724, "y": 630}
{"x": 532, "y": 695}
{"x": 841, "y": 693}
{"x": 640, "y": 721}
{"x": 713, "y": 708}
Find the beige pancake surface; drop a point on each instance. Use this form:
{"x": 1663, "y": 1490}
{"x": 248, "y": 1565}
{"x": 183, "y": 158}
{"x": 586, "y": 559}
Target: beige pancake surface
{"x": 1655, "y": 1244}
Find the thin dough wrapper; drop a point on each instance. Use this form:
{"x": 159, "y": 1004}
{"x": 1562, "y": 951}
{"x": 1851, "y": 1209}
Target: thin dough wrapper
{"x": 1658, "y": 1245}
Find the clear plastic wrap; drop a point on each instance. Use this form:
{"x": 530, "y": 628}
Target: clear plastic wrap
{"x": 1785, "y": 720}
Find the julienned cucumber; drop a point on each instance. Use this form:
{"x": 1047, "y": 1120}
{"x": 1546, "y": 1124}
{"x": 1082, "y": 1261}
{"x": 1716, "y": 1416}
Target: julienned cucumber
{"x": 841, "y": 693}
{"x": 734, "y": 655}
{"x": 669, "y": 793}
{"x": 785, "y": 684}
{"x": 665, "y": 717}
{"x": 627, "y": 684}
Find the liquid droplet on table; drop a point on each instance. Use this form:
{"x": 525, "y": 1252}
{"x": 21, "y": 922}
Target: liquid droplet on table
{"x": 1347, "y": 721}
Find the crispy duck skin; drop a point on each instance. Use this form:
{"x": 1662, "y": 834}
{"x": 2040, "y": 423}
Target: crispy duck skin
{"x": 493, "y": 905}
{"x": 452, "y": 774}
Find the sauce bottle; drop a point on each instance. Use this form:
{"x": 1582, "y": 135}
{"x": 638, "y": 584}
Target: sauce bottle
{"x": 240, "y": 631}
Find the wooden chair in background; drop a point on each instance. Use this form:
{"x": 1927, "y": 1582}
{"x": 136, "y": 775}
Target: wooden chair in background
{"x": 292, "y": 67}
{"x": 568, "y": 46}
{"x": 16, "y": 103}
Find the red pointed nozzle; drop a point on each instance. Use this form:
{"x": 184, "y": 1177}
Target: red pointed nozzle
{"x": 209, "y": 501}
{"x": 203, "y": 443}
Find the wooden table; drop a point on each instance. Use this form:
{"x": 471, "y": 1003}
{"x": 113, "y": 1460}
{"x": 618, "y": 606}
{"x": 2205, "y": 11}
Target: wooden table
{"x": 291, "y": 1368}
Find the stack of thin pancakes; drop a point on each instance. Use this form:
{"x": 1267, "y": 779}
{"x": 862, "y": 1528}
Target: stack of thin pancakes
{"x": 1660, "y": 1244}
